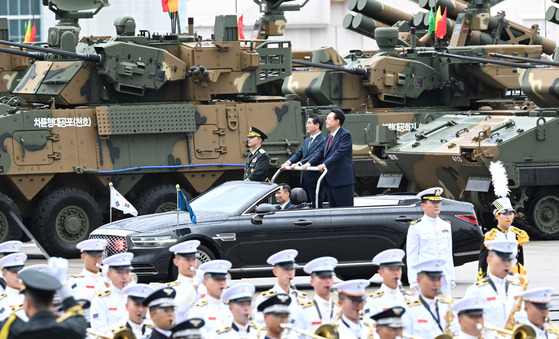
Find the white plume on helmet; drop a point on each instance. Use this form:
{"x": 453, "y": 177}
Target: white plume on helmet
{"x": 499, "y": 178}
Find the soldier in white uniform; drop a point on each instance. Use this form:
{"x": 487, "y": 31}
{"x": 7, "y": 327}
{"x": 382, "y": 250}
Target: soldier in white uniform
{"x": 188, "y": 329}
{"x": 186, "y": 262}
{"x": 351, "y": 299}
{"x": 426, "y": 314}
{"x": 499, "y": 289}
{"x": 6, "y": 248}
{"x": 161, "y": 306}
{"x": 536, "y": 307}
{"x": 239, "y": 299}
{"x": 391, "y": 292}
{"x": 137, "y": 312}
{"x": 430, "y": 238}
{"x": 108, "y": 308}
{"x": 89, "y": 282}
{"x": 322, "y": 309}
{"x": 210, "y": 308}
{"x": 11, "y": 300}
{"x": 284, "y": 270}
{"x": 389, "y": 324}
{"x": 470, "y": 318}
{"x": 276, "y": 315}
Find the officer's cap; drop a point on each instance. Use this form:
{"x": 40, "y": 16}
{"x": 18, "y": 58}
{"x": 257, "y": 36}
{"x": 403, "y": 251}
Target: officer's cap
{"x": 539, "y": 297}
{"x": 255, "y": 132}
{"x": 41, "y": 268}
{"x": 190, "y": 327}
{"x": 92, "y": 246}
{"x": 502, "y": 205}
{"x": 431, "y": 267}
{"x": 278, "y": 303}
{"x": 469, "y": 306}
{"x": 283, "y": 259}
{"x": 187, "y": 249}
{"x": 391, "y": 257}
{"x": 505, "y": 249}
{"x": 216, "y": 269}
{"x": 164, "y": 297}
{"x": 355, "y": 289}
{"x": 433, "y": 194}
{"x": 9, "y": 247}
{"x": 120, "y": 261}
{"x": 13, "y": 262}
{"x": 391, "y": 317}
{"x": 138, "y": 292}
{"x": 323, "y": 266}
{"x": 238, "y": 293}
{"x": 39, "y": 281}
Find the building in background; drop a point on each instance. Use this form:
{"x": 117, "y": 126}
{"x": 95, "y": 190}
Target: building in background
{"x": 19, "y": 12}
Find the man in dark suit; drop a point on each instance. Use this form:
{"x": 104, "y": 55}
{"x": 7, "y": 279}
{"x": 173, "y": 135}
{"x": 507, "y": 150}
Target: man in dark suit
{"x": 283, "y": 197}
{"x": 312, "y": 145}
{"x": 258, "y": 161}
{"x": 337, "y": 157}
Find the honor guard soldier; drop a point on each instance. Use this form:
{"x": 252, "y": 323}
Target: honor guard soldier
{"x": 276, "y": 316}
{"x": 390, "y": 293}
{"x": 498, "y": 288}
{"x": 426, "y": 314}
{"x": 39, "y": 289}
{"x": 11, "y": 300}
{"x": 284, "y": 270}
{"x": 470, "y": 318}
{"x": 322, "y": 309}
{"x": 210, "y": 308}
{"x": 389, "y": 323}
{"x": 188, "y": 329}
{"x": 430, "y": 238}
{"x": 8, "y": 247}
{"x": 239, "y": 299}
{"x": 258, "y": 161}
{"x": 108, "y": 308}
{"x": 186, "y": 262}
{"x": 351, "y": 299}
{"x": 161, "y": 306}
{"x": 536, "y": 307}
{"x": 136, "y": 310}
{"x": 504, "y": 213}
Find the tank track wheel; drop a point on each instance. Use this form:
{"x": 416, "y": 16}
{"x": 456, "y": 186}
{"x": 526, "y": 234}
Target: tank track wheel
{"x": 9, "y": 230}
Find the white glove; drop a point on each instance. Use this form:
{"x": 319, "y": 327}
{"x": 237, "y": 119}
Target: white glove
{"x": 414, "y": 286}
{"x": 59, "y": 268}
{"x": 521, "y": 317}
{"x": 455, "y": 327}
{"x": 104, "y": 273}
{"x": 198, "y": 277}
{"x": 452, "y": 284}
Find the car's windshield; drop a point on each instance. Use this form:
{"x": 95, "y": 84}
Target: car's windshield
{"x": 228, "y": 198}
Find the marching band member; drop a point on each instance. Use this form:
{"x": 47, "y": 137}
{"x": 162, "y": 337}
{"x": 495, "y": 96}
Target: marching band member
{"x": 188, "y": 329}
{"x": 351, "y": 299}
{"x": 12, "y": 300}
{"x": 6, "y": 248}
{"x": 161, "y": 306}
{"x": 389, "y": 324}
{"x": 136, "y": 310}
{"x": 276, "y": 315}
{"x": 239, "y": 299}
{"x": 470, "y": 318}
{"x": 536, "y": 306}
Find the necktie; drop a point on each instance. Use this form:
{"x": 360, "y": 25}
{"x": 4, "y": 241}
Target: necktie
{"x": 330, "y": 141}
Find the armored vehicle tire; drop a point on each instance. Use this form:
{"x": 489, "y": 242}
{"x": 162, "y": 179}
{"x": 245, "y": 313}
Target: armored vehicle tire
{"x": 544, "y": 216}
{"x": 204, "y": 255}
{"x": 64, "y": 217}
{"x": 9, "y": 229}
{"x": 157, "y": 199}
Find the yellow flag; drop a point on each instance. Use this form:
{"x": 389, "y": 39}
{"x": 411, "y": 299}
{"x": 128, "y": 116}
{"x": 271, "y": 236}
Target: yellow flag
{"x": 28, "y": 32}
{"x": 438, "y": 17}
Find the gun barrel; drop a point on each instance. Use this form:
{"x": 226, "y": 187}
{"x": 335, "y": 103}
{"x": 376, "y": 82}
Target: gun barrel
{"x": 352, "y": 70}
{"x": 362, "y": 24}
{"x": 95, "y": 58}
{"x": 379, "y": 11}
{"x": 34, "y": 55}
{"x": 517, "y": 58}
{"x": 484, "y": 61}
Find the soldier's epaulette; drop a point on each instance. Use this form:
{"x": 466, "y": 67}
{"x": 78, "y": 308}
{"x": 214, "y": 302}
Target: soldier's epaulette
{"x": 223, "y": 330}
{"x": 77, "y": 276}
{"x": 2, "y": 296}
{"x": 301, "y": 294}
{"x": 104, "y": 294}
{"x": 415, "y": 221}
{"x": 522, "y": 236}
{"x": 481, "y": 282}
{"x": 148, "y": 326}
{"x": 262, "y": 151}
{"x": 17, "y": 308}
{"x": 550, "y": 329}
{"x": 444, "y": 300}
{"x": 118, "y": 329}
{"x": 491, "y": 234}
{"x": 413, "y": 302}
{"x": 268, "y": 293}
{"x": 406, "y": 292}
{"x": 73, "y": 311}
{"x": 516, "y": 283}
{"x": 376, "y": 294}
{"x": 306, "y": 304}
{"x": 201, "y": 303}
{"x": 173, "y": 283}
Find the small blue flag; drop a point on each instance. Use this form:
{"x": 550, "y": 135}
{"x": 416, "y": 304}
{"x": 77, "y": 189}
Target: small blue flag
{"x": 185, "y": 206}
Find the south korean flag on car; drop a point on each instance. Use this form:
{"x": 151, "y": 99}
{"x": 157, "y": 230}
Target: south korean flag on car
{"x": 120, "y": 203}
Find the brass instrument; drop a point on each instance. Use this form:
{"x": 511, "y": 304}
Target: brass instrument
{"x": 125, "y": 333}
{"x": 409, "y": 336}
{"x": 372, "y": 325}
{"x": 401, "y": 288}
{"x": 325, "y": 331}
{"x": 517, "y": 305}
{"x": 552, "y": 324}
{"x": 519, "y": 332}
{"x": 448, "y": 317}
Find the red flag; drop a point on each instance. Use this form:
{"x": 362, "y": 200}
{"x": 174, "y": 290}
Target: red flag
{"x": 170, "y": 5}
{"x": 440, "y": 32}
{"x": 241, "y": 25}
{"x": 33, "y": 33}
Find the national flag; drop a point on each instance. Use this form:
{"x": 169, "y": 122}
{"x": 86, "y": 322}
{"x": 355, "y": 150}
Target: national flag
{"x": 438, "y": 17}
{"x": 120, "y": 203}
{"x": 241, "y": 25}
{"x": 33, "y": 33}
{"x": 27, "y": 31}
{"x": 185, "y": 206}
{"x": 170, "y": 5}
{"x": 440, "y": 32}
{"x": 432, "y": 22}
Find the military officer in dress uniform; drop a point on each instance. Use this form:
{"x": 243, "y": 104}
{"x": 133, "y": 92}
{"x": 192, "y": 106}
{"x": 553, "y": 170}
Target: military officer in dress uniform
{"x": 389, "y": 324}
{"x": 11, "y": 300}
{"x": 276, "y": 315}
{"x": 322, "y": 309}
{"x": 239, "y": 299}
{"x": 186, "y": 262}
{"x": 284, "y": 270}
{"x": 258, "y": 161}
{"x": 470, "y": 318}
{"x": 499, "y": 288}
{"x": 136, "y": 311}
{"x": 536, "y": 306}
{"x": 351, "y": 299}
{"x": 161, "y": 306}
{"x": 430, "y": 238}
{"x": 8, "y": 247}
{"x": 504, "y": 213}
{"x": 210, "y": 308}
{"x": 426, "y": 314}
{"x": 188, "y": 329}
{"x": 390, "y": 293}
{"x": 89, "y": 281}
{"x": 109, "y": 307}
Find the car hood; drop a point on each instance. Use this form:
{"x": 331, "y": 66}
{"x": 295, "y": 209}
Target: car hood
{"x": 163, "y": 221}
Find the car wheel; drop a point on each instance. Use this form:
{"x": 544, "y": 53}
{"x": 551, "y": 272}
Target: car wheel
{"x": 9, "y": 229}
{"x": 160, "y": 198}
{"x": 63, "y": 218}
{"x": 204, "y": 254}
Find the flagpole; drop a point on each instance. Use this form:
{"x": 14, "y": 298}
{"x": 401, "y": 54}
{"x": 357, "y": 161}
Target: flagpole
{"x": 110, "y": 208}
{"x": 178, "y": 210}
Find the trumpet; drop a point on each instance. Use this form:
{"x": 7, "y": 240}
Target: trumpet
{"x": 325, "y": 331}
{"x": 125, "y": 333}
{"x": 448, "y": 317}
{"x": 517, "y": 306}
{"x": 519, "y": 332}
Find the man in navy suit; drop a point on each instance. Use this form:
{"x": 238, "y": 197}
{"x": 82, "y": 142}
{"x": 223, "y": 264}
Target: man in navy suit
{"x": 283, "y": 197}
{"x": 312, "y": 145}
{"x": 337, "y": 157}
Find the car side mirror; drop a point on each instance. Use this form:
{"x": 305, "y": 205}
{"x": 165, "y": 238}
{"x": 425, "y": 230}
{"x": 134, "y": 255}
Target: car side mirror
{"x": 261, "y": 211}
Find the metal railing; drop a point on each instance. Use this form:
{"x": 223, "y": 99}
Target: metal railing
{"x": 300, "y": 168}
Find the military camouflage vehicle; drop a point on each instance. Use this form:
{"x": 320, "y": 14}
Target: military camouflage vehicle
{"x": 11, "y": 66}
{"x": 145, "y": 112}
